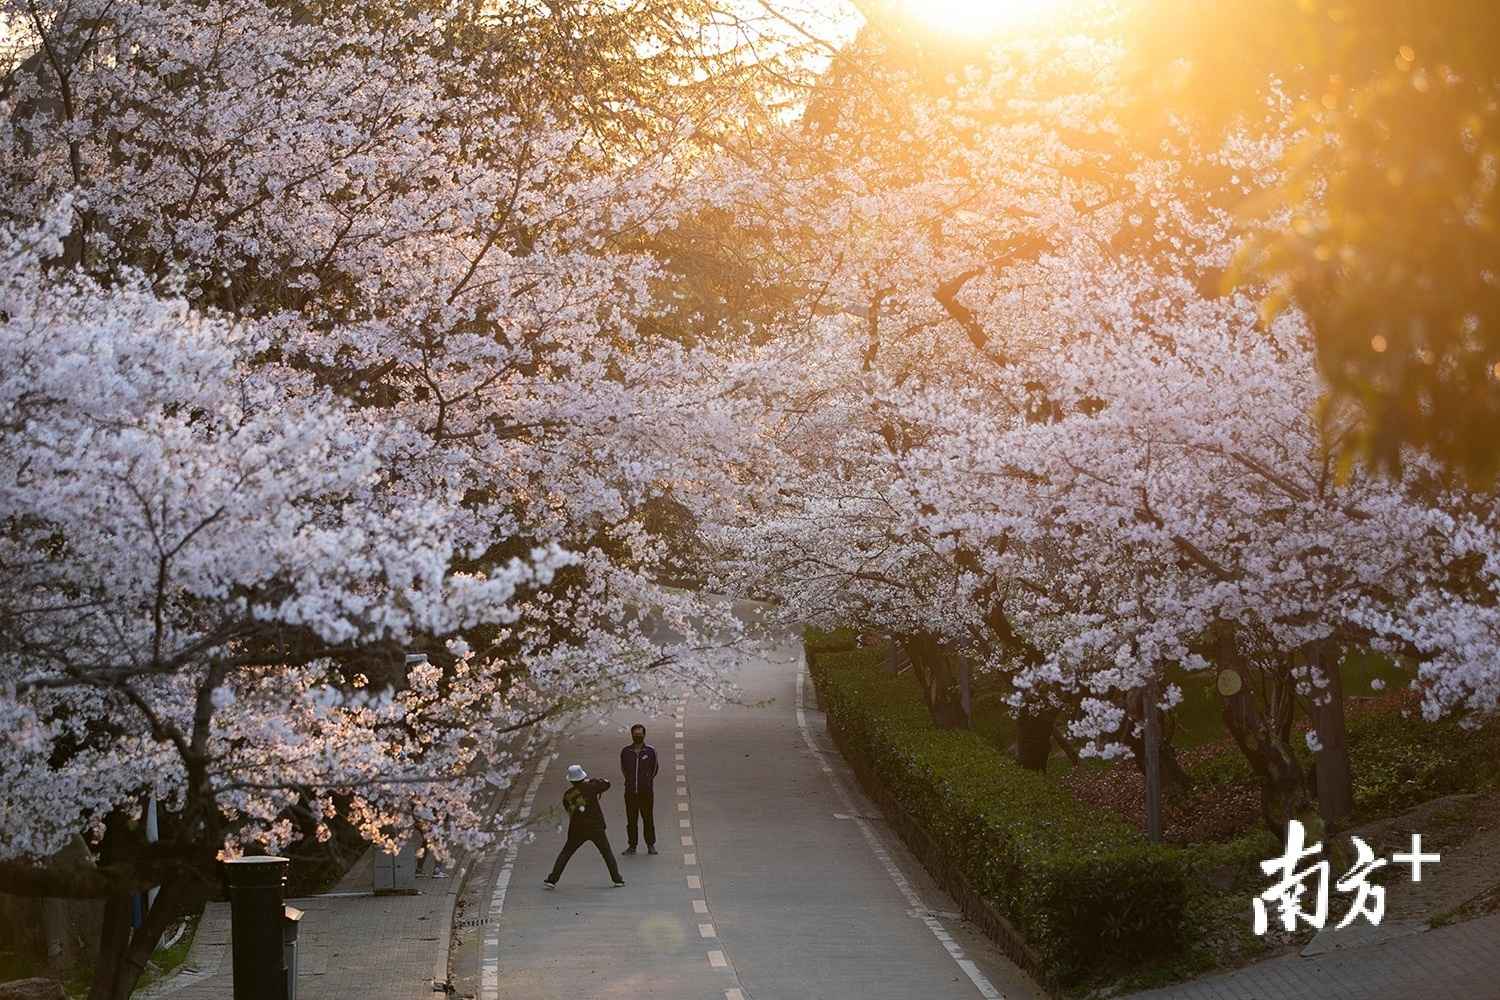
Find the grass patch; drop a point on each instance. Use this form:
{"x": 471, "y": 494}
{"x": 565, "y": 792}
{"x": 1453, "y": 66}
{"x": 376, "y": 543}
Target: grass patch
{"x": 168, "y": 960}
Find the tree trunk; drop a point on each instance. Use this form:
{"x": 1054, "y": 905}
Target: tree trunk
{"x": 1065, "y": 745}
{"x": 115, "y": 936}
{"x": 941, "y": 690}
{"x": 966, "y": 689}
{"x": 1034, "y": 737}
{"x": 57, "y": 936}
{"x": 1335, "y": 784}
{"x": 1152, "y": 737}
{"x": 1265, "y": 740}
{"x": 169, "y": 905}
{"x": 113, "y": 944}
{"x": 1170, "y": 774}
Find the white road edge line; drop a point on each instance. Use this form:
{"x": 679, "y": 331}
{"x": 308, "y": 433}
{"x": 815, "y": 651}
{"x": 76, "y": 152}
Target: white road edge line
{"x": 982, "y": 984}
{"x": 489, "y": 983}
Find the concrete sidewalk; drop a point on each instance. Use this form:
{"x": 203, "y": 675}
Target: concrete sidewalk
{"x": 1461, "y": 960}
{"x": 352, "y": 943}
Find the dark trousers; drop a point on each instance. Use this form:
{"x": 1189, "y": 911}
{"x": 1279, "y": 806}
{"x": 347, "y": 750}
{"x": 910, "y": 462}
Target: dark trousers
{"x": 576, "y": 839}
{"x": 638, "y": 804}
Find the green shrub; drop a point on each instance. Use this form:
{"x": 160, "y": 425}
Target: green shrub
{"x": 1398, "y": 762}
{"x": 839, "y": 640}
{"x": 1087, "y": 892}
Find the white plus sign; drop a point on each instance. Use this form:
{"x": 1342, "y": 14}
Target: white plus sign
{"x": 1416, "y": 858}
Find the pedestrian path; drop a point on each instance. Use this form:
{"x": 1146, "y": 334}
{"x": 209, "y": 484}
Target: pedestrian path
{"x": 1461, "y": 960}
{"x": 586, "y": 938}
{"x": 352, "y": 943}
{"x": 776, "y": 878}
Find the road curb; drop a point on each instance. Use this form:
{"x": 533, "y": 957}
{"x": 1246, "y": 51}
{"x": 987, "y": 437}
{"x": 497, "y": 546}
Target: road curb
{"x": 442, "y": 981}
{"x": 442, "y": 975}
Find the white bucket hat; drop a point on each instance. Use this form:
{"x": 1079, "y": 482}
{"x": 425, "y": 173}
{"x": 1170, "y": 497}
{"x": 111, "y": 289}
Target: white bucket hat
{"x": 576, "y": 773}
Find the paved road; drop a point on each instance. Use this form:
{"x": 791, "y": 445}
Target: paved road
{"x": 775, "y": 879}
{"x": 791, "y": 888}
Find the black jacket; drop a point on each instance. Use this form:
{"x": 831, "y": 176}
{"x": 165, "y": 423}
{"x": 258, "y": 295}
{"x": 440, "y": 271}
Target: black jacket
{"x": 582, "y": 804}
{"x": 639, "y": 768}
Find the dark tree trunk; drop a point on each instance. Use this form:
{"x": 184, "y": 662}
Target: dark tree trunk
{"x": 1152, "y": 737}
{"x": 1065, "y": 745}
{"x": 113, "y": 944}
{"x": 123, "y": 952}
{"x": 1034, "y": 729}
{"x": 942, "y": 689}
{"x": 169, "y": 906}
{"x": 115, "y": 936}
{"x": 1335, "y": 784}
{"x": 1264, "y": 737}
{"x": 1174, "y": 780}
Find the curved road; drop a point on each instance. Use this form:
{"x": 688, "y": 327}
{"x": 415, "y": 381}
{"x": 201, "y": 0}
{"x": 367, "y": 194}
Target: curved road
{"x": 776, "y": 878}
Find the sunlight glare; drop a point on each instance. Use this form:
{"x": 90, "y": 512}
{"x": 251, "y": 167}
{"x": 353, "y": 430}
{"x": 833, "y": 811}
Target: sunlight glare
{"x": 976, "y": 17}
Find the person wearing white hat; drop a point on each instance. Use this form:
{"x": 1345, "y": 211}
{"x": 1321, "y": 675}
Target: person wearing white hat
{"x": 585, "y": 823}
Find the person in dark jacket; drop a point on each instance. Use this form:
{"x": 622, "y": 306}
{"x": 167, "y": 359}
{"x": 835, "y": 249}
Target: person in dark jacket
{"x": 638, "y": 763}
{"x": 585, "y": 823}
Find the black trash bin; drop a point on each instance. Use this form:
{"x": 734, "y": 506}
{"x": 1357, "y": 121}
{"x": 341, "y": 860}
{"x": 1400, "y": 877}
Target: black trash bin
{"x": 257, "y": 938}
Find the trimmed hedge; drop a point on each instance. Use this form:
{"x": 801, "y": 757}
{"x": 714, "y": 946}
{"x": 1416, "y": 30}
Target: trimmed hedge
{"x": 1086, "y": 892}
{"x": 816, "y": 641}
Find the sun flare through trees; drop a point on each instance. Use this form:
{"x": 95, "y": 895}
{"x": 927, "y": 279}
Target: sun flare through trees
{"x": 386, "y": 385}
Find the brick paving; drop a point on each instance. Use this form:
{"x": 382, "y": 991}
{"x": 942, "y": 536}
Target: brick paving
{"x": 1461, "y": 960}
{"x": 350, "y": 946}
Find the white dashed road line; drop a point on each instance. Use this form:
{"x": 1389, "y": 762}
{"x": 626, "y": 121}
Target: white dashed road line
{"x": 489, "y": 983}
{"x": 717, "y": 958}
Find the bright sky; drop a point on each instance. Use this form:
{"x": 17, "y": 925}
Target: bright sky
{"x": 979, "y": 16}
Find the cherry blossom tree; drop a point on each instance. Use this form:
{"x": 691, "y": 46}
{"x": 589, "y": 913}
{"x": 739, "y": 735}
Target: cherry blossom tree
{"x": 1050, "y": 442}
{"x": 334, "y": 332}
{"x": 202, "y": 555}
{"x": 337, "y": 331}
